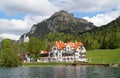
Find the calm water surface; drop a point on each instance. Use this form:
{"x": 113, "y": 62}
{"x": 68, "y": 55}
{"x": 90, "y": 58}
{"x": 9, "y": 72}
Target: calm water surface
{"x": 60, "y": 72}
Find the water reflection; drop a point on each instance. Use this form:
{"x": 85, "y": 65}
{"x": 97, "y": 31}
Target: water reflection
{"x": 103, "y": 72}
{"x": 60, "y": 72}
{"x": 70, "y": 72}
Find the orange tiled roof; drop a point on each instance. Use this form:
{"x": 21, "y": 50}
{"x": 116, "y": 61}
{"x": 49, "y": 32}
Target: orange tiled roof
{"x": 60, "y": 44}
{"x": 77, "y": 44}
{"x": 72, "y": 44}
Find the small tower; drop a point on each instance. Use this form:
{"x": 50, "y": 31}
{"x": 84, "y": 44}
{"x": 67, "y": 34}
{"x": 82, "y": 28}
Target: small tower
{"x": 26, "y": 38}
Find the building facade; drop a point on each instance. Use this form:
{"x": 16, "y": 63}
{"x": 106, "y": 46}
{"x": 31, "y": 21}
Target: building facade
{"x": 67, "y": 52}
{"x": 62, "y": 52}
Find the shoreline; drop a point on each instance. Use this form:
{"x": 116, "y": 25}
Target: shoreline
{"x": 67, "y": 64}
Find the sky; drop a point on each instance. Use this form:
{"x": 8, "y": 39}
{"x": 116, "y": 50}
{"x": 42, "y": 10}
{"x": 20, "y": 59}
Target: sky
{"x": 18, "y": 16}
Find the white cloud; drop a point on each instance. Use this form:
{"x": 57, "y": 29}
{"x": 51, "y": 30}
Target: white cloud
{"x": 87, "y": 5}
{"x": 34, "y": 7}
{"x": 10, "y": 36}
{"x": 47, "y": 7}
{"x": 103, "y": 19}
{"x": 12, "y": 24}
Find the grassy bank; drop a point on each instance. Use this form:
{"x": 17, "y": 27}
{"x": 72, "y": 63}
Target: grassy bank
{"x": 100, "y": 56}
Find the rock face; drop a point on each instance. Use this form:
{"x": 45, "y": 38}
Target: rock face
{"x": 61, "y": 21}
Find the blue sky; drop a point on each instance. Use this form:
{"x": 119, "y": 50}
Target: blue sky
{"x": 4, "y": 15}
{"x": 18, "y": 16}
{"x": 89, "y": 14}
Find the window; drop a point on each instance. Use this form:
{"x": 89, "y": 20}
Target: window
{"x": 54, "y": 48}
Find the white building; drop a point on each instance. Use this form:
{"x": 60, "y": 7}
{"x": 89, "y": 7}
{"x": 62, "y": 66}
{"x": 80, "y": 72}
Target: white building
{"x": 67, "y": 52}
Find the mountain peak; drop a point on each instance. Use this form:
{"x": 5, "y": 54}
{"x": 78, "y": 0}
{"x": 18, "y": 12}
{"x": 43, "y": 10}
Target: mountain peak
{"x": 62, "y": 14}
{"x": 61, "y": 21}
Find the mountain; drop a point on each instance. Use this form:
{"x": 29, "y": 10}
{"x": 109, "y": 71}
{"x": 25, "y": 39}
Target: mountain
{"x": 61, "y": 21}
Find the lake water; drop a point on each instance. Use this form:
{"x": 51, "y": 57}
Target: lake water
{"x": 60, "y": 72}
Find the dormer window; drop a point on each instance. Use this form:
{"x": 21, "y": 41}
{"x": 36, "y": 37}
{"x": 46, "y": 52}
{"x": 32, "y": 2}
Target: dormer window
{"x": 54, "y": 48}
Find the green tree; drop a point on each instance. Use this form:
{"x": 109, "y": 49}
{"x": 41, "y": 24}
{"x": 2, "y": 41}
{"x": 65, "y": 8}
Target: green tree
{"x": 34, "y": 46}
{"x": 8, "y": 56}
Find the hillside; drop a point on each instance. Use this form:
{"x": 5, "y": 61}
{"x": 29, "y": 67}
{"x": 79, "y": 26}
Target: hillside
{"x": 107, "y": 36}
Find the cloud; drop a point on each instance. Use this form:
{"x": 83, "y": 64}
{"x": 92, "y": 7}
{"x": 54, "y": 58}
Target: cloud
{"x": 47, "y": 7}
{"x": 11, "y": 25}
{"x": 103, "y": 19}
{"x": 34, "y": 7}
{"x": 87, "y": 5}
{"x": 10, "y": 36}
